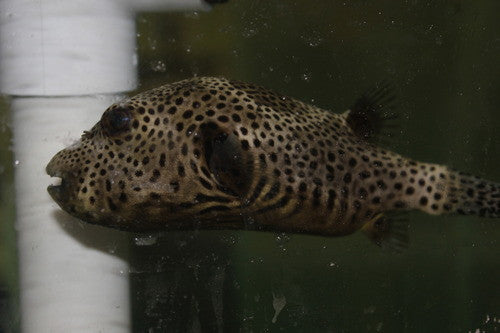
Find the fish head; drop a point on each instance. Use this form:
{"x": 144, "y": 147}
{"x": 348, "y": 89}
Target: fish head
{"x": 148, "y": 164}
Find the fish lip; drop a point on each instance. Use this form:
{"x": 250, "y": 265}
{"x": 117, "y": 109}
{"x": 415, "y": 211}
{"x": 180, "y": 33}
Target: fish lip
{"x": 57, "y": 192}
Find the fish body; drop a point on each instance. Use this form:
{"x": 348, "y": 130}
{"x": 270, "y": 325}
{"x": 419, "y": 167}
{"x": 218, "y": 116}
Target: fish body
{"x": 212, "y": 153}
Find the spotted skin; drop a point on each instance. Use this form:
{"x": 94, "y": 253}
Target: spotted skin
{"x": 213, "y": 153}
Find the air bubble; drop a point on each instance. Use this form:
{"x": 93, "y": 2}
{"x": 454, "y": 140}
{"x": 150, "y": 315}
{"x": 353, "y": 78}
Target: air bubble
{"x": 312, "y": 37}
{"x": 158, "y": 66}
{"x": 147, "y": 240}
{"x": 249, "y": 32}
{"x": 281, "y": 240}
{"x": 193, "y": 15}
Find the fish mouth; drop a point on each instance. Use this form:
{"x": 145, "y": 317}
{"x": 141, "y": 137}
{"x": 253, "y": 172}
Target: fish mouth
{"x": 56, "y": 190}
{"x": 59, "y": 188}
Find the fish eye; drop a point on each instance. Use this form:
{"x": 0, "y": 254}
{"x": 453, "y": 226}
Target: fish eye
{"x": 116, "y": 121}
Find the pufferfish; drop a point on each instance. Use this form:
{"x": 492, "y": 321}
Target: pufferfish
{"x": 211, "y": 153}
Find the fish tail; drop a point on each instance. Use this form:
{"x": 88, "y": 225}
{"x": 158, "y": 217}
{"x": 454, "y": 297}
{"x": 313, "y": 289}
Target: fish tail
{"x": 472, "y": 195}
{"x": 437, "y": 189}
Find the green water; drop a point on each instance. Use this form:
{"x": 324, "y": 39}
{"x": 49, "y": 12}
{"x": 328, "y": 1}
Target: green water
{"x": 442, "y": 57}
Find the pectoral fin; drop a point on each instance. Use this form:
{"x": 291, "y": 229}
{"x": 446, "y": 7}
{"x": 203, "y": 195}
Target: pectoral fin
{"x": 230, "y": 165}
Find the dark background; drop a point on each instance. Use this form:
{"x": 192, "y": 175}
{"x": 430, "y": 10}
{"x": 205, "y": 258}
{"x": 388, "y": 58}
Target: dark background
{"x": 441, "y": 56}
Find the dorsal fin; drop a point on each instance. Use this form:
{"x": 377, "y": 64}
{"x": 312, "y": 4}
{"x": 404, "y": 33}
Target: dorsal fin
{"x": 230, "y": 165}
{"x": 368, "y": 114}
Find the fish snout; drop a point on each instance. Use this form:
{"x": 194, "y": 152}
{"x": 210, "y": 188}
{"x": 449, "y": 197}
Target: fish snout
{"x": 61, "y": 188}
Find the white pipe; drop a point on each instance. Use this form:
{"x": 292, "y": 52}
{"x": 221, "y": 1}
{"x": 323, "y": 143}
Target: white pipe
{"x": 68, "y": 283}
{"x": 61, "y": 48}
{"x": 51, "y": 49}
{"x": 54, "y": 48}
